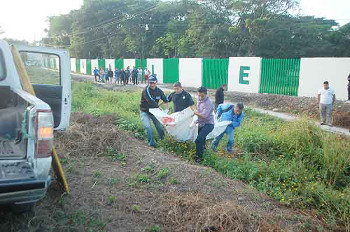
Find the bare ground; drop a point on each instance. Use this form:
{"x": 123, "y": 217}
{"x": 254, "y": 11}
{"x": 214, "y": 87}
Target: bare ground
{"x": 118, "y": 183}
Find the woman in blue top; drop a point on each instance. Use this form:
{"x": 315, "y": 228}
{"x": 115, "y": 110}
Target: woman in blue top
{"x": 227, "y": 112}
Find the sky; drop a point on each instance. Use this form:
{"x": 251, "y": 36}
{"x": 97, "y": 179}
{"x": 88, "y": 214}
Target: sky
{"x": 28, "y": 19}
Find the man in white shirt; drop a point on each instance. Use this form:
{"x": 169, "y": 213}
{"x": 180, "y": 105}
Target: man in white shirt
{"x": 326, "y": 100}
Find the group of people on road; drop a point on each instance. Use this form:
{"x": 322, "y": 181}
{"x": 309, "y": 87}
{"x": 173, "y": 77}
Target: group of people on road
{"x": 152, "y": 95}
{"x": 122, "y": 76}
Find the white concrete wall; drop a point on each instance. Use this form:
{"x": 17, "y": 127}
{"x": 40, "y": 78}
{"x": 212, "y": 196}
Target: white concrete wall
{"x": 73, "y": 66}
{"x": 129, "y": 62}
{"x": 314, "y": 71}
{"x": 190, "y": 72}
{"x": 250, "y": 67}
{"x": 83, "y": 66}
{"x": 158, "y": 68}
{"x": 94, "y": 63}
{"x": 110, "y": 63}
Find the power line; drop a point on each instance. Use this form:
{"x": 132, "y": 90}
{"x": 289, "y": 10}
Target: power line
{"x": 98, "y": 26}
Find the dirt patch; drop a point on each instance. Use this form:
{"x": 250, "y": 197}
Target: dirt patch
{"x": 118, "y": 183}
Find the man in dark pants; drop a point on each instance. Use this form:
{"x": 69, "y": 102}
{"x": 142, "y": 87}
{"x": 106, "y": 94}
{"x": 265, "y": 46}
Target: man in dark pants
{"x": 181, "y": 98}
{"x": 205, "y": 121}
{"x": 219, "y": 96}
{"x": 150, "y": 98}
{"x": 134, "y": 76}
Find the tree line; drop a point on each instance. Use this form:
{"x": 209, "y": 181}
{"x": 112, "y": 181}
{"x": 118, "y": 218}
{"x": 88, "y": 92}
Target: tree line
{"x": 202, "y": 28}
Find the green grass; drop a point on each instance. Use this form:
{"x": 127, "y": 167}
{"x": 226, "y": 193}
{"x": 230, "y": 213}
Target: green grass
{"x": 297, "y": 163}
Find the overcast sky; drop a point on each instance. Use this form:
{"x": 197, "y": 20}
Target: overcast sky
{"x": 26, "y": 20}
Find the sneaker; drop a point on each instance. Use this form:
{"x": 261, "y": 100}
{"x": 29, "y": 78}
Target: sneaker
{"x": 322, "y": 123}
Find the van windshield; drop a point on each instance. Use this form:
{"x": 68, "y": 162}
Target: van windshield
{"x": 2, "y": 67}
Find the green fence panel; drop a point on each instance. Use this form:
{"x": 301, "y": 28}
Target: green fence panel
{"x": 119, "y": 63}
{"x": 77, "y": 65}
{"x": 138, "y": 63}
{"x": 171, "y": 70}
{"x": 280, "y": 76}
{"x": 102, "y": 63}
{"x": 88, "y": 67}
{"x": 214, "y": 73}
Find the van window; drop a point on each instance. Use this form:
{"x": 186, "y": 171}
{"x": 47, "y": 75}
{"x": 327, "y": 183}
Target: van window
{"x": 2, "y": 67}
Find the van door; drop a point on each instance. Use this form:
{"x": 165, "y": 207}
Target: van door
{"x": 49, "y": 72}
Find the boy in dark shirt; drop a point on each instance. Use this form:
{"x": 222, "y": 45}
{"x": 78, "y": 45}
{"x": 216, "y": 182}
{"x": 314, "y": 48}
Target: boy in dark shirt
{"x": 150, "y": 98}
{"x": 180, "y": 98}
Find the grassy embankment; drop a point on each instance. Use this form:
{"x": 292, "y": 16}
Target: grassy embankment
{"x": 295, "y": 162}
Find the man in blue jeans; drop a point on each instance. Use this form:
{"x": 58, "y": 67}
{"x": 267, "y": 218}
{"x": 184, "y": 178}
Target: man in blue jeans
{"x": 227, "y": 112}
{"x": 205, "y": 121}
{"x": 150, "y": 98}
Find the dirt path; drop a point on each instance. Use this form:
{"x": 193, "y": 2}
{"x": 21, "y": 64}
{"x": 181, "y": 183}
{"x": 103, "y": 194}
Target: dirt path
{"x": 118, "y": 183}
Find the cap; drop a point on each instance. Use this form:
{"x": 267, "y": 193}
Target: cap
{"x": 152, "y": 79}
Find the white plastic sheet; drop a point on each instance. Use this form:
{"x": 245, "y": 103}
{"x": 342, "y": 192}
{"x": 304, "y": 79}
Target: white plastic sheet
{"x": 182, "y": 125}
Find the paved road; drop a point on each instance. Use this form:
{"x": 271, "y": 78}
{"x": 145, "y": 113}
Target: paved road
{"x": 284, "y": 116}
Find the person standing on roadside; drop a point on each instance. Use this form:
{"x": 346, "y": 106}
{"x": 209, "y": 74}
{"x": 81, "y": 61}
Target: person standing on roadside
{"x": 102, "y": 74}
{"x": 139, "y": 75}
{"x": 146, "y": 73}
{"x": 219, "y": 96}
{"x": 134, "y": 76}
{"x": 205, "y": 121}
{"x": 116, "y": 76}
{"x": 150, "y": 98}
{"x": 326, "y": 100}
{"x": 233, "y": 113}
{"x": 348, "y": 101}
{"x": 96, "y": 74}
{"x": 180, "y": 98}
{"x": 122, "y": 77}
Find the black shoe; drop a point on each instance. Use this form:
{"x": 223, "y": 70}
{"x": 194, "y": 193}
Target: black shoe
{"x": 322, "y": 123}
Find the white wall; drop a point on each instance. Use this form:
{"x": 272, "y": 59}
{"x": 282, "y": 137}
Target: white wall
{"x": 314, "y": 71}
{"x": 158, "y": 68}
{"x": 129, "y": 62}
{"x": 73, "y": 66}
{"x": 94, "y": 63}
{"x": 190, "y": 72}
{"x": 250, "y": 66}
{"x": 83, "y": 66}
{"x": 110, "y": 63}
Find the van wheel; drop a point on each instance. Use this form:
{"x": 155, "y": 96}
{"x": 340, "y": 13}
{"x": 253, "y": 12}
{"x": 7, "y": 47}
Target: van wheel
{"x": 28, "y": 208}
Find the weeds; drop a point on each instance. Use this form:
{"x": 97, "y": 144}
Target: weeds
{"x": 299, "y": 164}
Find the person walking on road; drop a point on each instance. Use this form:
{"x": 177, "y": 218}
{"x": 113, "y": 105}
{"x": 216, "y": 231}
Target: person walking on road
{"x": 205, "y": 121}
{"x": 96, "y": 74}
{"x": 150, "y": 98}
{"x": 233, "y": 113}
{"x": 219, "y": 96}
{"x": 326, "y": 100}
{"x": 180, "y": 98}
{"x": 348, "y": 101}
